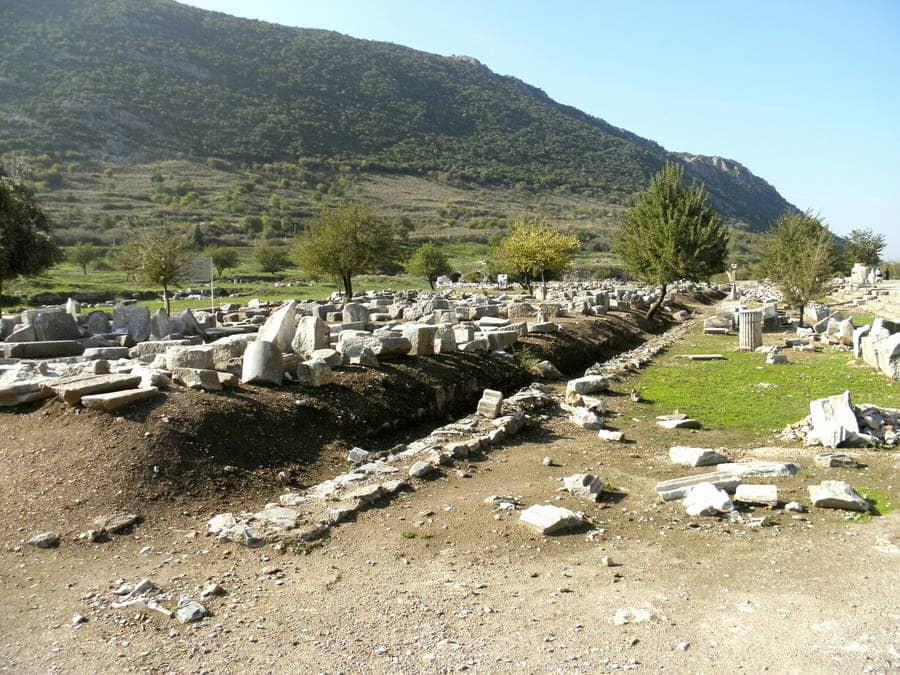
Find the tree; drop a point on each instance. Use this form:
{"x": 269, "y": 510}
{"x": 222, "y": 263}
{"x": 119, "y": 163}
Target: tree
{"x": 346, "y": 241}
{"x": 428, "y": 262}
{"x": 864, "y": 246}
{"x": 85, "y": 255}
{"x": 672, "y": 233}
{"x": 534, "y": 251}
{"x": 271, "y": 258}
{"x": 800, "y": 257}
{"x": 161, "y": 256}
{"x": 223, "y": 258}
{"x": 26, "y": 247}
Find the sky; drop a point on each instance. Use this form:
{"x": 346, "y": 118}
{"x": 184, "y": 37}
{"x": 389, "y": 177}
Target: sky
{"x": 804, "y": 93}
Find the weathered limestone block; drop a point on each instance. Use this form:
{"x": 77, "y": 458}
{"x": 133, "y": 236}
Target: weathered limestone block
{"x": 550, "y": 519}
{"x": 490, "y": 404}
{"x": 421, "y": 338}
{"x": 132, "y": 320}
{"x": 314, "y": 373}
{"x": 197, "y": 378}
{"x": 312, "y": 333}
{"x": 199, "y": 357}
{"x": 445, "y": 340}
{"x": 354, "y": 312}
{"x": 833, "y": 421}
{"x": 262, "y": 364}
{"x": 279, "y": 327}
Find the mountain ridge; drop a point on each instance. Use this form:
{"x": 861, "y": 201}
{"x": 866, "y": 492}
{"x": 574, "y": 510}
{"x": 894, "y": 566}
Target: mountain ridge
{"x": 131, "y": 82}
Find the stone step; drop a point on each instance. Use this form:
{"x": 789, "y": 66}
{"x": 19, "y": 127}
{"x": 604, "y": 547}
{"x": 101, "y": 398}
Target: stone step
{"x": 114, "y": 400}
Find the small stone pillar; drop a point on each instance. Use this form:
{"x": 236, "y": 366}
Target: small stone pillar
{"x": 749, "y": 329}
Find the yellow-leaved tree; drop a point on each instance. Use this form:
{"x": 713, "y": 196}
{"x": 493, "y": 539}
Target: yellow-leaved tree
{"x": 534, "y": 251}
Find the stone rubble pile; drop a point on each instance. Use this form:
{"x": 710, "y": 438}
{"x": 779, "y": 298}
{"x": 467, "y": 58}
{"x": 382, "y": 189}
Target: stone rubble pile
{"x": 835, "y": 422}
{"x": 109, "y": 362}
{"x": 307, "y": 515}
{"x": 718, "y": 492}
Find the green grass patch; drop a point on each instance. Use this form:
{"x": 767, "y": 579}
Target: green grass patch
{"x": 741, "y": 392}
{"x": 882, "y": 502}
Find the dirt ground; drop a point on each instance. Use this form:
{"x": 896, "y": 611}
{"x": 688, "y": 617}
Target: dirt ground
{"x": 440, "y": 582}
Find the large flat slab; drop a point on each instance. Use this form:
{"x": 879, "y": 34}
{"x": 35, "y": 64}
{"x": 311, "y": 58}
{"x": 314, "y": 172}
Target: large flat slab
{"x": 42, "y": 350}
{"x": 114, "y": 400}
{"x": 677, "y": 488}
{"x": 73, "y": 389}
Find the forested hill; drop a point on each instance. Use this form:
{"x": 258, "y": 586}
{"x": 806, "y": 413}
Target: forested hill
{"x": 143, "y": 80}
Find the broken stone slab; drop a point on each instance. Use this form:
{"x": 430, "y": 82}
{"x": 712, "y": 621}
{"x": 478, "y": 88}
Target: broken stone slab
{"x": 705, "y": 499}
{"x": 589, "y": 384}
{"x": 115, "y": 400}
{"x": 776, "y": 359}
{"x": 835, "y": 460}
{"x": 610, "y": 435}
{"x": 550, "y": 519}
{"x": 693, "y": 457}
{"x": 760, "y": 469}
{"x": 109, "y": 353}
{"x": 677, "y": 421}
{"x": 44, "y": 540}
{"x": 18, "y": 393}
{"x": 262, "y": 364}
{"x": 190, "y": 611}
{"x": 421, "y": 469}
{"x": 198, "y": 378}
{"x": 836, "y": 494}
{"x": 584, "y": 486}
{"x": 677, "y": 488}
{"x": 757, "y": 494}
{"x": 279, "y": 327}
{"x": 201, "y": 357}
{"x": 702, "y": 357}
{"x": 73, "y": 389}
{"x": 586, "y": 419}
{"x": 42, "y": 350}
{"x": 314, "y": 373}
{"x": 365, "y": 493}
{"x": 132, "y": 320}
{"x": 490, "y": 404}
{"x": 833, "y": 421}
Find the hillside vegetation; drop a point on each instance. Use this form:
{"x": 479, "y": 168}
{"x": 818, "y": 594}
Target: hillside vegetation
{"x": 124, "y": 110}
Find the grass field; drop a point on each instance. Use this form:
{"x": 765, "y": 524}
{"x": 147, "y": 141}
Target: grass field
{"x": 742, "y": 393}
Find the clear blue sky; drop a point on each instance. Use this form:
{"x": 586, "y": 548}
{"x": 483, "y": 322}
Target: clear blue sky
{"x": 804, "y": 93}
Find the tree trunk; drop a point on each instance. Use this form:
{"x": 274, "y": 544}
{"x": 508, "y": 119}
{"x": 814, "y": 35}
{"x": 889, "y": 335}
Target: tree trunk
{"x": 654, "y": 308}
{"x": 528, "y": 283}
{"x": 1, "y": 297}
{"x": 544, "y": 282}
{"x": 431, "y": 283}
{"x": 802, "y": 308}
{"x": 348, "y": 287}
{"x": 166, "y": 301}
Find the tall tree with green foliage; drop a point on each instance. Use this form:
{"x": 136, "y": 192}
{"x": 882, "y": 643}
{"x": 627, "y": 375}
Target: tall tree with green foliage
{"x": 223, "y": 258}
{"x": 26, "y": 247}
{"x": 271, "y": 258}
{"x": 346, "y": 241}
{"x": 85, "y": 255}
{"x": 800, "y": 256}
{"x": 429, "y": 263}
{"x": 162, "y": 256}
{"x": 864, "y": 246}
{"x": 672, "y": 233}
{"x": 534, "y": 251}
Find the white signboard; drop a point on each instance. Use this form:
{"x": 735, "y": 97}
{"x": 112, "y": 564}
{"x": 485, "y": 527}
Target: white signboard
{"x": 201, "y": 270}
